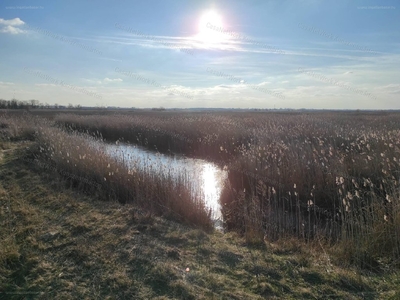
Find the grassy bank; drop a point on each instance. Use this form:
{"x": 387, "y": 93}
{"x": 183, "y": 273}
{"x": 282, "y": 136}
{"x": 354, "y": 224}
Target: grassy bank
{"x": 60, "y": 243}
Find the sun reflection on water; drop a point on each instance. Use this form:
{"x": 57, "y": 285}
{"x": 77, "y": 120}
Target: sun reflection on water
{"x": 212, "y": 180}
{"x": 203, "y": 177}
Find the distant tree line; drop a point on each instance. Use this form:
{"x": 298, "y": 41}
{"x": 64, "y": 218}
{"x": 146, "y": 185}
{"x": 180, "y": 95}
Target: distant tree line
{"x": 30, "y": 104}
{"x": 158, "y": 108}
{"x": 16, "y": 104}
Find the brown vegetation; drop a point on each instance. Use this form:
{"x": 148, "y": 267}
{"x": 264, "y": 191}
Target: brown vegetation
{"x": 58, "y": 243}
{"x": 330, "y": 176}
{"x": 91, "y": 170}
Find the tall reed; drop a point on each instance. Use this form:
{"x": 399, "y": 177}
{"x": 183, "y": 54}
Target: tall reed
{"x": 86, "y": 165}
{"x": 330, "y": 176}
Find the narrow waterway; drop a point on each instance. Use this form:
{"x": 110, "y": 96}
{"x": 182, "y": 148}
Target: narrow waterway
{"x": 203, "y": 177}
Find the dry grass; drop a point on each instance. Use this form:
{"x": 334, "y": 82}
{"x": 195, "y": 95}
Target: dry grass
{"x": 91, "y": 170}
{"x": 196, "y": 135}
{"x": 63, "y": 244}
{"x": 327, "y": 176}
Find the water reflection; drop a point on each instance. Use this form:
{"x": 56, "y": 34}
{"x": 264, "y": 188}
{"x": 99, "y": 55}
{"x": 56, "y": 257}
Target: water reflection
{"x": 203, "y": 177}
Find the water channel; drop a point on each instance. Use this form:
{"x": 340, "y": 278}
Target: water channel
{"x": 205, "y": 178}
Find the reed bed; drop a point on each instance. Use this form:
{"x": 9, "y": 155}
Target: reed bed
{"x": 85, "y": 164}
{"x": 331, "y": 176}
{"x": 17, "y": 127}
{"x": 194, "y": 135}
{"x": 340, "y": 184}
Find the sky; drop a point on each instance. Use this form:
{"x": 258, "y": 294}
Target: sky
{"x": 199, "y": 53}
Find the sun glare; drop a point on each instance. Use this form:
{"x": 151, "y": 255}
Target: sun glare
{"x": 211, "y": 188}
{"x": 210, "y": 28}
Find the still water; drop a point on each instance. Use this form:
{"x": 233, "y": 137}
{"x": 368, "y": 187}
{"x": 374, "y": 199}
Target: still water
{"x": 204, "y": 178}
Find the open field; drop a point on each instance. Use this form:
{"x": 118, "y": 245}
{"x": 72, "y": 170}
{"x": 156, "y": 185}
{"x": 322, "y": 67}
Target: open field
{"x": 317, "y": 190}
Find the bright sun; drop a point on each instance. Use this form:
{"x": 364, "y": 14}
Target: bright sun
{"x": 210, "y": 28}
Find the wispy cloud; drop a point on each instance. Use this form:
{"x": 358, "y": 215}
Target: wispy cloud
{"x": 68, "y": 40}
{"x": 56, "y": 82}
{"x": 171, "y": 90}
{"x": 258, "y": 87}
{"x": 333, "y": 37}
{"x": 239, "y": 36}
{"x": 45, "y": 84}
{"x": 101, "y": 81}
{"x": 108, "y": 80}
{"x": 191, "y": 45}
{"x": 337, "y": 83}
{"x": 389, "y": 89}
{"x": 11, "y": 26}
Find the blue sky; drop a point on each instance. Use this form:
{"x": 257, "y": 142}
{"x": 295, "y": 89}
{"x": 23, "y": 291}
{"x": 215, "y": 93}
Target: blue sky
{"x": 242, "y": 54}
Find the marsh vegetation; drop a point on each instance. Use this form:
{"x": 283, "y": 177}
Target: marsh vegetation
{"x": 326, "y": 177}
